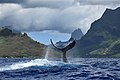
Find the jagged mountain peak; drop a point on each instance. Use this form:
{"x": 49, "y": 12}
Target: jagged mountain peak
{"x": 76, "y": 34}
{"x": 103, "y": 37}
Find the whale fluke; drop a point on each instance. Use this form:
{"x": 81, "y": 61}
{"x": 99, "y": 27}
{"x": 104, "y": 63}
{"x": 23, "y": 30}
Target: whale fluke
{"x": 65, "y": 49}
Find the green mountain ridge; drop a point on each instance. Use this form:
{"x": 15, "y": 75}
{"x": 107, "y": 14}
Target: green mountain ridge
{"x": 103, "y": 38}
{"x": 19, "y": 45}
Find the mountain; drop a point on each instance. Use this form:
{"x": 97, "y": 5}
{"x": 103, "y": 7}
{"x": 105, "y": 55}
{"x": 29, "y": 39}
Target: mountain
{"x": 19, "y": 45}
{"x": 76, "y": 34}
{"x": 103, "y": 37}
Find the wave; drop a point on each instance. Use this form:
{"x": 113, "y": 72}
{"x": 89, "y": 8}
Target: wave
{"x": 36, "y": 62}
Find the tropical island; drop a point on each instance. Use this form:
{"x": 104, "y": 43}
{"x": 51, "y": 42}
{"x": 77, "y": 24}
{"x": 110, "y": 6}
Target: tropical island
{"x": 16, "y": 44}
{"x": 101, "y": 41}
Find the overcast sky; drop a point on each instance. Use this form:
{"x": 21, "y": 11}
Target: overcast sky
{"x": 58, "y": 16}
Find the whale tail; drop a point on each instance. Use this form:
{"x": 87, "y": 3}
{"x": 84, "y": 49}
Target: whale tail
{"x": 66, "y": 48}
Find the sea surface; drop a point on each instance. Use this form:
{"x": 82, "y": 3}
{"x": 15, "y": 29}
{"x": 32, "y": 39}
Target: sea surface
{"x": 76, "y": 69}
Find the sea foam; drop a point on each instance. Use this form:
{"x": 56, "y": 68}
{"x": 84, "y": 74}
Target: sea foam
{"x": 36, "y": 62}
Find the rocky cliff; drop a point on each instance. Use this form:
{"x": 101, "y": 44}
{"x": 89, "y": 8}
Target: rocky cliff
{"x": 103, "y": 38}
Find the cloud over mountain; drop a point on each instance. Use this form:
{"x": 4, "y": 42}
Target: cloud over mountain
{"x": 59, "y": 15}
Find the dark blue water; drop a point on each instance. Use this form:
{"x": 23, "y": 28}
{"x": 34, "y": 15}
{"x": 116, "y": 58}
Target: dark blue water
{"x": 77, "y": 69}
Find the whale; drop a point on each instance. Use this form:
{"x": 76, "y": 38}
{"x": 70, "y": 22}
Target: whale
{"x": 64, "y": 49}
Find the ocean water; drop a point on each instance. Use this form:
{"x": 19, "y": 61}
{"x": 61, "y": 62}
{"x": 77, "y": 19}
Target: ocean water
{"x": 76, "y": 69}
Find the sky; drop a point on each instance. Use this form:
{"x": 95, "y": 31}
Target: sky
{"x": 56, "y": 19}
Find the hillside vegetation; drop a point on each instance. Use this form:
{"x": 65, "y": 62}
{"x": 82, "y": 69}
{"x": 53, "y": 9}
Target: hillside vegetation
{"x": 103, "y": 38}
{"x": 19, "y": 45}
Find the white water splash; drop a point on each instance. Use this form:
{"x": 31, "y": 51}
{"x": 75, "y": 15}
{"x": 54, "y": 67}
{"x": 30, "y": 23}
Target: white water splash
{"x": 47, "y": 52}
{"x": 36, "y": 62}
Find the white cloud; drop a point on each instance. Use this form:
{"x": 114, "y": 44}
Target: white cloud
{"x": 8, "y": 9}
{"x": 61, "y": 3}
{"x": 50, "y": 16}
